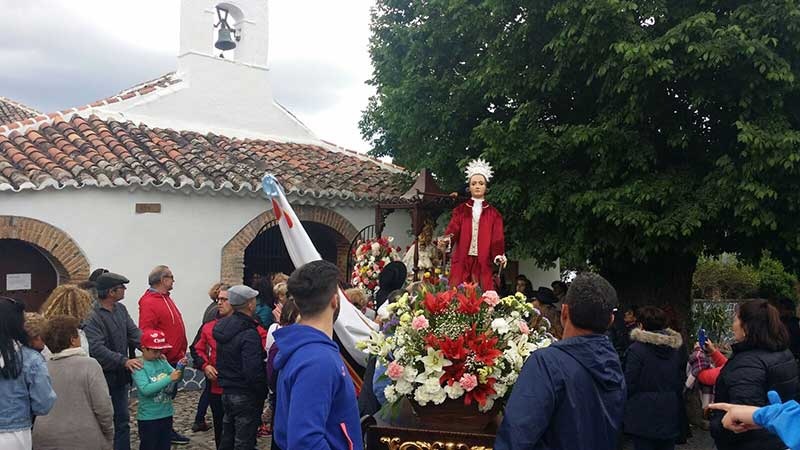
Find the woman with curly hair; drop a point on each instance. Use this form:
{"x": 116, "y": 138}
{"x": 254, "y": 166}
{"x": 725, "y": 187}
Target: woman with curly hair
{"x": 70, "y": 300}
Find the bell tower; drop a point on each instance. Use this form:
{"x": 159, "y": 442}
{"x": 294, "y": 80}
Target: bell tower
{"x": 249, "y": 23}
{"x": 224, "y": 89}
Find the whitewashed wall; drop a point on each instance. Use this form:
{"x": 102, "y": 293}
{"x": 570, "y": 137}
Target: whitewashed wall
{"x": 188, "y": 235}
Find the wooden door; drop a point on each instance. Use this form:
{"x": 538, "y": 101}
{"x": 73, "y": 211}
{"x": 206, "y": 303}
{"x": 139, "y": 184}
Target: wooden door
{"x": 25, "y": 274}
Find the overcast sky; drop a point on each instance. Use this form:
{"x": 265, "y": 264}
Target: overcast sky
{"x": 62, "y": 53}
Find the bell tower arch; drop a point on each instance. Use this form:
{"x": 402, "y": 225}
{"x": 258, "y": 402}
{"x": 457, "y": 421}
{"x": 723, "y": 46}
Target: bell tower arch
{"x": 249, "y": 23}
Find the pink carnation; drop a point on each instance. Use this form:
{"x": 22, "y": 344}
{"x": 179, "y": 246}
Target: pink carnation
{"x": 419, "y": 323}
{"x": 394, "y": 371}
{"x": 490, "y": 298}
{"x": 468, "y": 382}
{"x": 523, "y": 327}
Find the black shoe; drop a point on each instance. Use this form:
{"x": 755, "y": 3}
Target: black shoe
{"x": 177, "y": 439}
{"x": 200, "y": 426}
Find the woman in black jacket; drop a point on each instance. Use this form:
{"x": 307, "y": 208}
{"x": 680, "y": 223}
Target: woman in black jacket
{"x": 654, "y": 373}
{"x": 761, "y": 362}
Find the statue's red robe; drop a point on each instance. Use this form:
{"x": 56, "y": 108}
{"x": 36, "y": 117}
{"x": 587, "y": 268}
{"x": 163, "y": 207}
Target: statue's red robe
{"x": 491, "y": 243}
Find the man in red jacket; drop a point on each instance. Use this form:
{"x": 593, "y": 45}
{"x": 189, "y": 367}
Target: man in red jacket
{"x": 206, "y": 349}
{"x": 157, "y": 311}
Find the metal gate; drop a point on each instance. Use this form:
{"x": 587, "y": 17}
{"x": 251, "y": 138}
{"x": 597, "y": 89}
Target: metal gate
{"x": 267, "y": 253}
{"x": 365, "y": 234}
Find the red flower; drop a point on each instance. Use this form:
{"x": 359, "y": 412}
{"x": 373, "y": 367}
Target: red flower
{"x": 483, "y": 347}
{"x": 469, "y": 304}
{"x": 381, "y": 263}
{"x": 436, "y": 304}
{"x": 452, "y": 374}
{"x": 469, "y": 289}
{"x": 480, "y": 393}
{"x": 454, "y": 350}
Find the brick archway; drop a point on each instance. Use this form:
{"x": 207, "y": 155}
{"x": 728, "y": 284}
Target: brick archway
{"x": 232, "y": 268}
{"x": 63, "y": 252}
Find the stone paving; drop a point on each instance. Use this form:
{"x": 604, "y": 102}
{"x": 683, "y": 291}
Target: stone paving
{"x": 186, "y": 406}
{"x": 185, "y": 409}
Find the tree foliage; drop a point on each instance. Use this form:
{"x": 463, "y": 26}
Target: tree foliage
{"x": 727, "y": 278}
{"x": 621, "y": 132}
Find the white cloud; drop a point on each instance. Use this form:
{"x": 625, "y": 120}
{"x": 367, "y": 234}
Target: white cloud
{"x": 68, "y": 53}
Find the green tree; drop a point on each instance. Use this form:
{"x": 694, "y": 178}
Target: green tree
{"x": 634, "y": 135}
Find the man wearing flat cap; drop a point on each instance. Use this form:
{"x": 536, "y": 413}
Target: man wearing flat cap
{"x": 110, "y": 332}
{"x": 241, "y": 372}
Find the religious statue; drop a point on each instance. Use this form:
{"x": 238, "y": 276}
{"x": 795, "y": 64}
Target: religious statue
{"x": 427, "y": 254}
{"x": 476, "y": 229}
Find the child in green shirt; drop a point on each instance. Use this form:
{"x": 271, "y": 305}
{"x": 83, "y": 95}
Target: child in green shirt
{"x": 155, "y": 382}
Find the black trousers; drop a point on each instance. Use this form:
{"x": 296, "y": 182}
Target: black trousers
{"x": 241, "y": 421}
{"x": 218, "y": 414}
{"x": 640, "y": 443}
{"x": 155, "y": 434}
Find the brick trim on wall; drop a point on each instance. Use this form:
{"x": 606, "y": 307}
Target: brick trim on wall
{"x": 232, "y": 267}
{"x": 63, "y": 252}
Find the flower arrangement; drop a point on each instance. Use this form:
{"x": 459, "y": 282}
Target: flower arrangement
{"x": 370, "y": 258}
{"x": 455, "y": 343}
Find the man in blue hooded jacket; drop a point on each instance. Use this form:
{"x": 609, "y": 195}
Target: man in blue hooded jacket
{"x": 316, "y": 405}
{"x": 570, "y": 395}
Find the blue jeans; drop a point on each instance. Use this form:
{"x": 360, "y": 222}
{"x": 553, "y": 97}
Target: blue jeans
{"x": 155, "y": 434}
{"x": 122, "y": 416}
{"x": 241, "y": 421}
{"x": 202, "y": 404}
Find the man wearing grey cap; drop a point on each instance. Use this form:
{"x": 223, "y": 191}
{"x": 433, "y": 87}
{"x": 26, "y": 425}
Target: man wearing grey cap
{"x": 110, "y": 331}
{"x": 241, "y": 372}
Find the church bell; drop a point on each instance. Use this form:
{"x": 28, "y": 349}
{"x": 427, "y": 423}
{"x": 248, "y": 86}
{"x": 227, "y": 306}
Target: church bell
{"x": 225, "y": 39}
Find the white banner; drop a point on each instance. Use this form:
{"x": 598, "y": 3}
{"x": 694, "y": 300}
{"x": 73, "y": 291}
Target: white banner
{"x": 352, "y": 326}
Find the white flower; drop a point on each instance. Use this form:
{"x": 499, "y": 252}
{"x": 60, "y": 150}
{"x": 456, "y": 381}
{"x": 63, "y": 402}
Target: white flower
{"x": 454, "y": 391}
{"x": 487, "y": 406}
{"x": 500, "y": 389}
{"x": 410, "y": 374}
{"x": 391, "y": 394}
{"x": 434, "y": 361}
{"x": 403, "y": 387}
{"x": 500, "y": 326}
{"x": 430, "y": 390}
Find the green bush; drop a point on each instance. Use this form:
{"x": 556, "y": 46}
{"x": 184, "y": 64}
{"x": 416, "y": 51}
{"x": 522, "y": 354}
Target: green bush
{"x": 724, "y": 278}
{"x": 774, "y": 281}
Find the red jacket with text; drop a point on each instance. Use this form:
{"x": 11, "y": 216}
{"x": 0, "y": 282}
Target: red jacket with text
{"x": 157, "y": 311}
{"x": 491, "y": 242}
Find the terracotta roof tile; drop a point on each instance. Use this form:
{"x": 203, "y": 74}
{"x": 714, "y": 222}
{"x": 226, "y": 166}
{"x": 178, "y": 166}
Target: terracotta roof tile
{"x": 11, "y": 111}
{"x": 106, "y": 153}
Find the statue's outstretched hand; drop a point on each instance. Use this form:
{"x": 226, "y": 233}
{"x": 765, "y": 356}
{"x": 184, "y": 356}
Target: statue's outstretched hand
{"x": 501, "y": 260}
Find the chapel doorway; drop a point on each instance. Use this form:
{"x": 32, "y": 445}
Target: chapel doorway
{"x": 25, "y": 273}
{"x": 267, "y": 254}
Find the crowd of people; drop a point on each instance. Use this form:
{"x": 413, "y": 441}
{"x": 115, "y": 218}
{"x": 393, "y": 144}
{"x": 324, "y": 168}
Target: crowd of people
{"x": 272, "y": 366}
